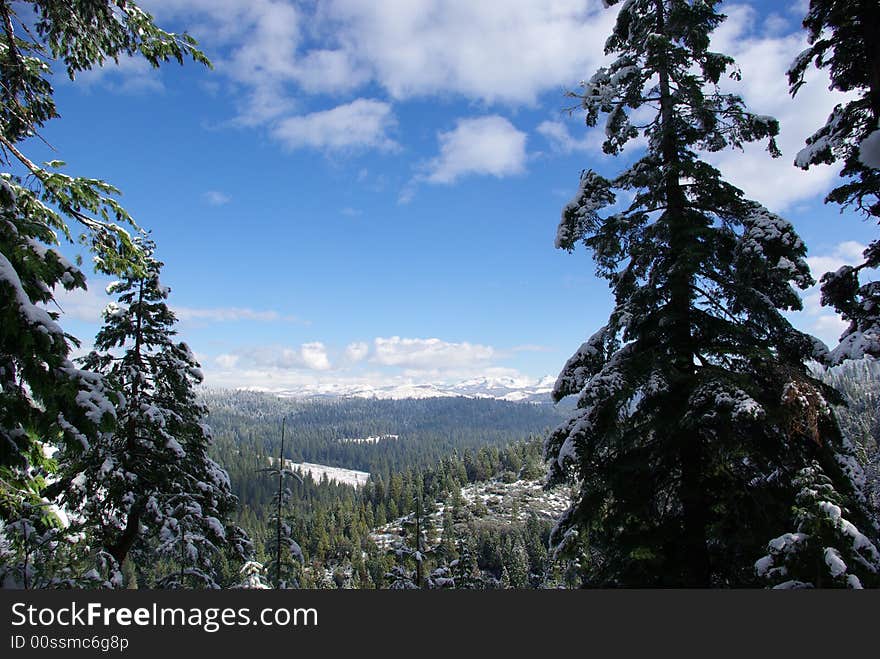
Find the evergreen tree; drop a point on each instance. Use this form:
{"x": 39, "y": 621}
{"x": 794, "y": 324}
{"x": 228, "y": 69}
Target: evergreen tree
{"x": 465, "y": 569}
{"x": 826, "y": 549}
{"x": 252, "y": 576}
{"x": 844, "y": 37}
{"x": 516, "y": 561}
{"x": 286, "y": 554}
{"x": 45, "y": 400}
{"x": 505, "y": 582}
{"x": 695, "y": 408}
{"x": 150, "y": 485}
{"x": 415, "y": 552}
{"x": 401, "y": 578}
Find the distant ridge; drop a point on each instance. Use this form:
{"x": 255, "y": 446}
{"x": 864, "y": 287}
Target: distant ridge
{"x": 515, "y": 390}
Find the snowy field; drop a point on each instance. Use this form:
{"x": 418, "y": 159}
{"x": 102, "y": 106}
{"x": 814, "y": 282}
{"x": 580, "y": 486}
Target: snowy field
{"x": 335, "y": 474}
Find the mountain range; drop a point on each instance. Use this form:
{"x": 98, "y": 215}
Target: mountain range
{"x": 517, "y": 390}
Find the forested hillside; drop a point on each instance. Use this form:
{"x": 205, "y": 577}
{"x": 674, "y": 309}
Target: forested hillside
{"x": 423, "y": 430}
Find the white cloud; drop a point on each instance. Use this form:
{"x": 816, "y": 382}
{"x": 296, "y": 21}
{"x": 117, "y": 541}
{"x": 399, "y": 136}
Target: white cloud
{"x": 764, "y": 59}
{"x": 482, "y": 146}
{"x": 383, "y": 362}
{"x": 361, "y": 124}
{"x": 481, "y": 50}
{"x": 278, "y": 50}
{"x": 848, "y": 252}
{"x": 85, "y": 305}
{"x": 821, "y": 321}
{"x": 307, "y": 357}
{"x": 131, "y": 75}
{"x": 226, "y": 361}
{"x": 357, "y": 351}
{"x": 562, "y": 141}
{"x": 314, "y": 356}
{"x": 232, "y": 314}
{"x": 88, "y": 305}
{"x": 216, "y": 198}
{"x": 426, "y": 354}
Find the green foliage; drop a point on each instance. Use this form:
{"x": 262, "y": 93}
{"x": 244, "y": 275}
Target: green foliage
{"x": 826, "y": 550}
{"x": 149, "y": 487}
{"x": 694, "y": 400}
{"x": 45, "y": 401}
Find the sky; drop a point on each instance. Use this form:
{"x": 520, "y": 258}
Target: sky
{"x": 368, "y": 192}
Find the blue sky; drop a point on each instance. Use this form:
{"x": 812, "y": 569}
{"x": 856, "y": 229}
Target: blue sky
{"x": 367, "y": 192}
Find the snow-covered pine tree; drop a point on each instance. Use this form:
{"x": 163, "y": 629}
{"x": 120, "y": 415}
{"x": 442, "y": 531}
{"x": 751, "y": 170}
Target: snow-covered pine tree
{"x": 285, "y": 554}
{"x": 465, "y": 569}
{"x": 516, "y": 561}
{"x": 150, "y": 486}
{"x": 416, "y": 552}
{"x": 695, "y": 408}
{"x": 825, "y": 549}
{"x": 44, "y": 399}
{"x": 252, "y": 576}
{"x": 401, "y": 578}
{"x": 844, "y": 37}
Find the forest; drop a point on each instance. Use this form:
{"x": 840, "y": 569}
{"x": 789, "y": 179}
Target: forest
{"x": 696, "y": 439}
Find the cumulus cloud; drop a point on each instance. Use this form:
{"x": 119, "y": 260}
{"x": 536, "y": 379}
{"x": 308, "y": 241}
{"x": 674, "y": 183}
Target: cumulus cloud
{"x": 489, "y": 146}
{"x": 764, "y": 57}
{"x": 361, "y": 124}
{"x": 821, "y": 321}
{"x": 279, "y": 53}
{"x": 562, "y": 141}
{"x": 314, "y": 356}
{"x": 226, "y": 361}
{"x": 408, "y": 47}
{"x": 426, "y": 354}
{"x": 307, "y": 357}
{"x": 848, "y": 252}
{"x": 357, "y": 351}
{"x": 476, "y": 49}
{"x": 383, "y": 362}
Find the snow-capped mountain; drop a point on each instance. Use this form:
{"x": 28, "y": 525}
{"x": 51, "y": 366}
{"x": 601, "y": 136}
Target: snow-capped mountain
{"x": 518, "y": 390}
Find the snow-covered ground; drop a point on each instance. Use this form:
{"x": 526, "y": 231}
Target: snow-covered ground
{"x": 492, "y": 501}
{"x": 335, "y": 474}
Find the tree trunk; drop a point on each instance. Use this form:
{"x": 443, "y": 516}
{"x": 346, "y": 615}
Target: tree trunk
{"x": 696, "y": 568}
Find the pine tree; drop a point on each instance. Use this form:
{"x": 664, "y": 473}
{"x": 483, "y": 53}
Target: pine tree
{"x": 465, "y": 569}
{"x": 844, "y": 37}
{"x": 286, "y": 554}
{"x": 415, "y": 552}
{"x": 695, "y": 408}
{"x": 252, "y": 576}
{"x": 150, "y": 485}
{"x": 826, "y": 549}
{"x": 46, "y": 401}
{"x": 516, "y": 563}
